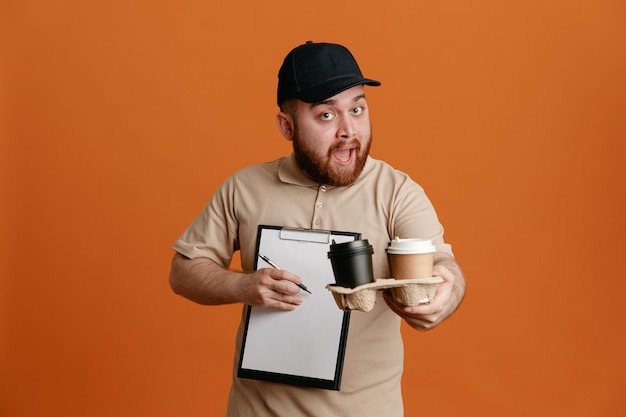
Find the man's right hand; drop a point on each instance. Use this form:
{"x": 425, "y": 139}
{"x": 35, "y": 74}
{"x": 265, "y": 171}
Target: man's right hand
{"x": 276, "y": 288}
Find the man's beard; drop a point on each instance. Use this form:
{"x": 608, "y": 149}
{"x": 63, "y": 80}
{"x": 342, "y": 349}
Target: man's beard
{"x": 322, "y": 170}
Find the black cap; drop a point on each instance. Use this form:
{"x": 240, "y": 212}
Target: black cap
{"x": 314, "y": 72}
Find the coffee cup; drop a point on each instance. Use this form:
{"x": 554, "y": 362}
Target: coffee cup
{"x": 352, "y": 263}
{"x": 410, "y": 258}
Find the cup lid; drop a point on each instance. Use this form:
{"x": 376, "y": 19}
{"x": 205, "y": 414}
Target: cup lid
{"x": 410, "y": 246}
{"x": 354, "y": 244}
{"x": 350, "y": 248}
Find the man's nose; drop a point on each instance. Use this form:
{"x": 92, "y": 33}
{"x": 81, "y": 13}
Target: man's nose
{"x": 346, "y": 128}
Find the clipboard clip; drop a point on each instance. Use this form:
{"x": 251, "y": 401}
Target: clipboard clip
{"x": 305, "y": 235}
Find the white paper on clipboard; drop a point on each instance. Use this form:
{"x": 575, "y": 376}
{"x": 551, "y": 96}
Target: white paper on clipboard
{"x": 305, "y": 346}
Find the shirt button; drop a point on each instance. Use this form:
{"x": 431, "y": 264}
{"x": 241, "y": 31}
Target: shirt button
{"x": 320, "y": 205}
{"x": 318, "y": 222}
{"x": 323, "y": 188}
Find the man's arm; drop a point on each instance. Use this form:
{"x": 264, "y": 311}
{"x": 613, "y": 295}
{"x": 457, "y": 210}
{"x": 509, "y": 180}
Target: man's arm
{"x": 205, "y": 282}
{"x": 447, "y": 299}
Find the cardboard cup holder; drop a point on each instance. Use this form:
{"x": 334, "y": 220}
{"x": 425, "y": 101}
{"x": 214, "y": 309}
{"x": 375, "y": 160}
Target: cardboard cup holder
{"x": 408, "y": 292}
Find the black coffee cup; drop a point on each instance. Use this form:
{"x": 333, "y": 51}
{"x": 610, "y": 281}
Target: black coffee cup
{"x": 352, "y": 263}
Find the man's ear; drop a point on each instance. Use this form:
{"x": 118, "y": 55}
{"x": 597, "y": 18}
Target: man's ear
{"x": 285, "y": 125}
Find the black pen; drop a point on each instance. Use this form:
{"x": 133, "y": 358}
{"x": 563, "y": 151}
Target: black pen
{"x": 273, "y": 265}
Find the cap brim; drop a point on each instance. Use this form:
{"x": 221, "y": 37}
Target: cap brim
{"x": 333, "y": 87}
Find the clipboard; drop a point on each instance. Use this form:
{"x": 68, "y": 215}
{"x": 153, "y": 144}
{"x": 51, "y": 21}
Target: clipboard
{"x": 304, "y": 347}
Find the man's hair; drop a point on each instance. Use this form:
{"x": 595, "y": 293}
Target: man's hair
{"x": 290, "y": 107}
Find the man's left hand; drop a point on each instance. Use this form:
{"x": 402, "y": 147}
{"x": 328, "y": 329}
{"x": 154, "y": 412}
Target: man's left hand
{"x": 426, "y": 316}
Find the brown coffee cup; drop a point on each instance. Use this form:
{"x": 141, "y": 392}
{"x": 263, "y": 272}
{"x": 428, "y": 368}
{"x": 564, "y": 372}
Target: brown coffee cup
{"x": 410, "y": 258}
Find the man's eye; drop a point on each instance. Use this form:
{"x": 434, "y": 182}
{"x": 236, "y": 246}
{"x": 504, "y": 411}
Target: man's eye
{"x": 357, "y": 110}
{"x": 326, "y": 116}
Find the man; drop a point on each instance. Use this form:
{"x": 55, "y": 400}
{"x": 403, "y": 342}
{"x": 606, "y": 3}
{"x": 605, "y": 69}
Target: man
{"x": 329, "y": 182}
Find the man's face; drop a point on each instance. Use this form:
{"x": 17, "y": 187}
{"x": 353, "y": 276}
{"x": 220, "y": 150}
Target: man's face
{"x": 332, "y": 139}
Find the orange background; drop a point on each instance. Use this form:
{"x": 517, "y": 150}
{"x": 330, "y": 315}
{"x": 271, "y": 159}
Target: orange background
{"x": 120, "y": 119}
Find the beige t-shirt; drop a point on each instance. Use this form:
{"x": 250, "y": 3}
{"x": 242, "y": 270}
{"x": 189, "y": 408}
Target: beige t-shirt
{"x": 382, "y": 204}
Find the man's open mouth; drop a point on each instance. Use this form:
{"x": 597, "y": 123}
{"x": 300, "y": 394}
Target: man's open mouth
{"x": 344, "y": 156}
